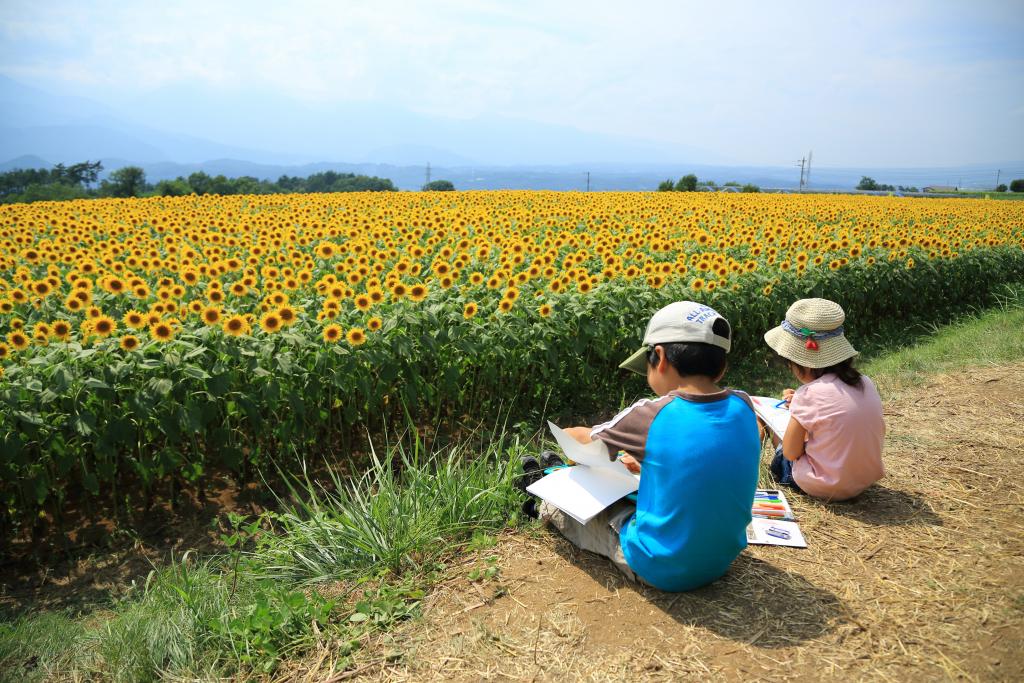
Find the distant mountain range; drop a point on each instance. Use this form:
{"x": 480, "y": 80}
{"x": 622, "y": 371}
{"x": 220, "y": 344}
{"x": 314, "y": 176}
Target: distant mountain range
{"x": 40, "y": 129}
{"x": 66, "y": 129}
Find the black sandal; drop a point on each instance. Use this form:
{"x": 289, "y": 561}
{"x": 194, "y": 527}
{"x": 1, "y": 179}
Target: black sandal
{"x": 532, "y": 471}
{"x": 550, "y": 459}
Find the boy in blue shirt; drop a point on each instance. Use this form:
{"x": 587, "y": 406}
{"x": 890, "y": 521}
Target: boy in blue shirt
{"x": 696, "y": 448}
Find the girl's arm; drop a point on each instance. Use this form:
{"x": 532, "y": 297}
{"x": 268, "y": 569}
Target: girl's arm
{"x": 794, "y": 440}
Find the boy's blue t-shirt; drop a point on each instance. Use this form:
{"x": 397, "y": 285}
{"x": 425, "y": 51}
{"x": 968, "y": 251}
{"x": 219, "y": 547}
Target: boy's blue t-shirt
{"x": 699, "y": 466}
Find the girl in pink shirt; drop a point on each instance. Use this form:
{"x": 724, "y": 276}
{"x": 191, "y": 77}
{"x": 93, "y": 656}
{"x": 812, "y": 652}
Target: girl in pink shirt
{"x": 833, "y": 445}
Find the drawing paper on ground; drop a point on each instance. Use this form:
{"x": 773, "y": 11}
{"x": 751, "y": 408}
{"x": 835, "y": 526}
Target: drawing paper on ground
{"x": 772, "y": 532}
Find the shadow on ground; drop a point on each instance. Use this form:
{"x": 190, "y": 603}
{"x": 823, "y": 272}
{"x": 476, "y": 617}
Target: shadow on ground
{"x": 755, "y": 603}
{"x": 883, "y": 506}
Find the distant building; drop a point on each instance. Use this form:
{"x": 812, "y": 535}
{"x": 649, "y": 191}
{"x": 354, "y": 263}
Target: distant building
{"x": 940, "y": 188}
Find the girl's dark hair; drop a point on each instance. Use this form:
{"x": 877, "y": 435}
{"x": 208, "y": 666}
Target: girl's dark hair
{"x": 695, "y": 358}
{"x": 844, "y": 371}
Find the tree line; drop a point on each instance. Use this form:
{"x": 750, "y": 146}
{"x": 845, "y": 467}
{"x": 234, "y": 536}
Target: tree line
{"x": 81, "y": 180}
{"x": 690, "y": 183}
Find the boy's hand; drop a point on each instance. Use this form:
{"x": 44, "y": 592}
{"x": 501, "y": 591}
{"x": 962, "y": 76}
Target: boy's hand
{"x": 787, "y": 396}
{"x": 631, "y": 463}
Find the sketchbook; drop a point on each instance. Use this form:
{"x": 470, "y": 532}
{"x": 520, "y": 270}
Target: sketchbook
{"x": 773, "y": 412}
{"x": 588, "y": 488}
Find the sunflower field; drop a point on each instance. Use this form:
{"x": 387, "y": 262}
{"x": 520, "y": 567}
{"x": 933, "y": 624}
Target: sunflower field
{"x": 151, "y": 342}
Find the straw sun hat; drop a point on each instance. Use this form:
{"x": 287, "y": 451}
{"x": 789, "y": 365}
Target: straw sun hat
{"x": 812, "y": 334}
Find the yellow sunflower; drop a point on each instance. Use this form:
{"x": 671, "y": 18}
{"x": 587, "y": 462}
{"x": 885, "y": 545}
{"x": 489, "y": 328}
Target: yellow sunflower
{"x": 235, "y": 326}
{"x": 103, "y": 326}
{"x": 271, "y": 322}
{"x": 211, "y": 315}
{"x": 418, "y": 292}
{"x": 162, "y": 331}
{"x": 332, "y": 334}
{"x": 129, "y": 342}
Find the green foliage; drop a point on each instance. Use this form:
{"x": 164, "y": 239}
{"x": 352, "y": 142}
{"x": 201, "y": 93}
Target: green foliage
{"x": 173, "y": 188}
{"x": 439, "y": 186}
{"x": 58, "y": 183}
{"x": 1001, "y": 187}
{"x": 488, "y": 571}
{"x": 46, "y": 193}
{"x": 666, "y": 186}
{"x": 129, "y": 181}
{"x": 867, "y": 183}
{"x": 1017, "y": 185}
{"x": 274, "y": 620}
{"x": 750, "y": 188}
{"x": 688, "y": 183}
{"x": 73, "y": 182}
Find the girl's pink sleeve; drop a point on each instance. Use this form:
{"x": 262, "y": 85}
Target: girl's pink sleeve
{"x": 804, "y": 406}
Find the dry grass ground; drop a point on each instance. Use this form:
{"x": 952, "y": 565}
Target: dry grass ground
{"x": 920, "y": 578}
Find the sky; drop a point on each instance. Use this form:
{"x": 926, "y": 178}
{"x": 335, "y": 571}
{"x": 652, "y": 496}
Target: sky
{"x": 873, "y": 83}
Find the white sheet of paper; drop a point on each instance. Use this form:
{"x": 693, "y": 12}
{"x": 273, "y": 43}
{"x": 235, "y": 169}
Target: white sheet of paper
{"x": 593, "y": 454}
{"x": 777, "y": 419}
{"x": 757, "y": 533}
{"x": 582, "y": 492}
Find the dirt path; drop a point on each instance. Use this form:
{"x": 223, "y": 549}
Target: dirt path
{"x": 921, "y": 578}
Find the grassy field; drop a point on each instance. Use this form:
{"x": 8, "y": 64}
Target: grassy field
{"x": 337, "y": 577}
{"x": 1011, "y": 196}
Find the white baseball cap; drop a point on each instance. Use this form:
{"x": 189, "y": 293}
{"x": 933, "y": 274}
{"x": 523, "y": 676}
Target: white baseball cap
{"x": 680, "y": 321}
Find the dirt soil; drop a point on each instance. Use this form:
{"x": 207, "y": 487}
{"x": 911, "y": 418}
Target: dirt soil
{"x": 920, "y": 578}
{"x": 97, "y": 561}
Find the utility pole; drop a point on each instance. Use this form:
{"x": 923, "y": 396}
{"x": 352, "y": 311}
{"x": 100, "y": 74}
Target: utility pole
{"x": 588, "y": 181}
{"x": 428, "y": 173}
{"x": 807, "y": 181}
{"x": 997, "y": 176}
{"x": 803, "y": 162}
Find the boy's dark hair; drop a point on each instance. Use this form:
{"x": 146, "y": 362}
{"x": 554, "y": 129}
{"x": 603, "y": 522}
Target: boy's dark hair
{"x": 695, "y": 358}
{"x": 844, "y": 371}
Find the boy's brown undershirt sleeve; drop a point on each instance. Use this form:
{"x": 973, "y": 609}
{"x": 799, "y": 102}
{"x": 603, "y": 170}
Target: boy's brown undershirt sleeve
{"x": 628, "y": 430}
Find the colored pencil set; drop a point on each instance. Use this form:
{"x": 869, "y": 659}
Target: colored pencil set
{"x": 772, "y": 505}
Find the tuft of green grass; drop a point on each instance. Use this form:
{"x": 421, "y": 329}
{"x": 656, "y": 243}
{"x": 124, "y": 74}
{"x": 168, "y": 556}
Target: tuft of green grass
{"x": 988, "y": 338}
{"x": 406, "y": 511}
